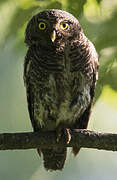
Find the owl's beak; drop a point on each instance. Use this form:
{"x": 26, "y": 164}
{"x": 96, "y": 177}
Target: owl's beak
{"x": 53, "y": 36}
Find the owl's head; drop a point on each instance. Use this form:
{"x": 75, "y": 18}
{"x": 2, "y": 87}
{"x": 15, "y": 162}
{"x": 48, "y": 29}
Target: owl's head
{"x": 51, "y": 27}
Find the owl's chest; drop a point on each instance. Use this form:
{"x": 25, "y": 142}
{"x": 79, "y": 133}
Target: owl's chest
{"x": 53, "y": 72}
{"x": 60, "y": 82}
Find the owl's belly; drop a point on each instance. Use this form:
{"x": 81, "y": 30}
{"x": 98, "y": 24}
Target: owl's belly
{"x": 53, "y": 106}
{"x": 59, "y": 103}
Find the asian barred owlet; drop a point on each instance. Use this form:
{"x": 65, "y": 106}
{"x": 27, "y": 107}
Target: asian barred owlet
{"x": 60, "y": 72}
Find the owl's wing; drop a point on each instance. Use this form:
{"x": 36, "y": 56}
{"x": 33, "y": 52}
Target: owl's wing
{"x": 82, "y": 122}
{"x": 29, "y": 91}
{"x": 30, "y": 95}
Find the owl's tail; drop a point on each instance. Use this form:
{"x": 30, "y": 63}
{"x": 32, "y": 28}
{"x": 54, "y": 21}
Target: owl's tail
{"x": 54, "y": 158}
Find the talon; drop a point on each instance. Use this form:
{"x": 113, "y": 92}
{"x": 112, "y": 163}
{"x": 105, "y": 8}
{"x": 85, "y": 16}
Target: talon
{"x": 68, "y": 136}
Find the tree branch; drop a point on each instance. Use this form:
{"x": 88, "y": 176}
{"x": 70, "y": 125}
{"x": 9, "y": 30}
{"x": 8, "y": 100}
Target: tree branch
{"x": 81, "y": 138}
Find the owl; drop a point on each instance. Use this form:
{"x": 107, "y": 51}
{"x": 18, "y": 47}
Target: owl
{"x": 60, "y": 73}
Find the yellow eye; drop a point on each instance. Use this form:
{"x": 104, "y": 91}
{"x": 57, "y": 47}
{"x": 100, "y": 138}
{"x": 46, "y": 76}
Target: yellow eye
{"x": 64, "y": 25}
{"x": 42, "y": 26}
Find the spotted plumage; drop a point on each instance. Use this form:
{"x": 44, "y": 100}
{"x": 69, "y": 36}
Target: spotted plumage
{"x": 60, "y": 72}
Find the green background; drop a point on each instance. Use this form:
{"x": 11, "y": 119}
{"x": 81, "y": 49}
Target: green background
{"x": 99, "y": 21}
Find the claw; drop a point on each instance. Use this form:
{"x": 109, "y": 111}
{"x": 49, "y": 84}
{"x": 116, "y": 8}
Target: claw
{"x": 68, "y": 135}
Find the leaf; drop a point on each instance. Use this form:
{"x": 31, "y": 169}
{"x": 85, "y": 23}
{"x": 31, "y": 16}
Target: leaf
{"x": 98, "y": 1}
{"x": 107, "y": 75}
{"x": 75, "y": 7}
{"x": 54, "y": 5}
{"x": 19, "y": 19}
{"x": 3, "y": 1}
{"x": 107, "y": 34}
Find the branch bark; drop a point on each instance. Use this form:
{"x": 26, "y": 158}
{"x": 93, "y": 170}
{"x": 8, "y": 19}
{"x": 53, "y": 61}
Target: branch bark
{"x": 82, "y": 138}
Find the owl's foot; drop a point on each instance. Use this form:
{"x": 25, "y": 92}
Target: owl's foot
{"x": 63, "y": 132}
